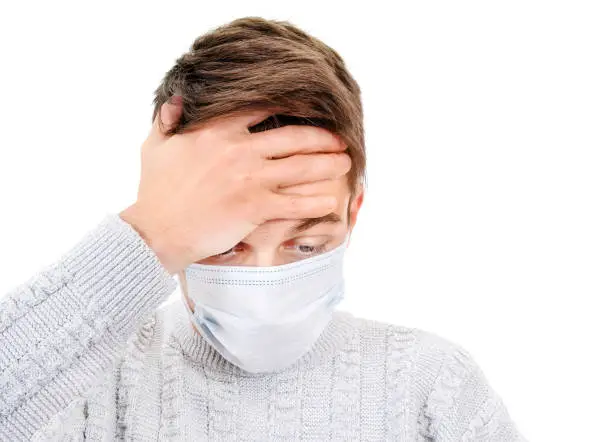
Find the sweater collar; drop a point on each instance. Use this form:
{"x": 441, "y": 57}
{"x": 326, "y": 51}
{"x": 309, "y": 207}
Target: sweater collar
{"x": 196, "y": 348}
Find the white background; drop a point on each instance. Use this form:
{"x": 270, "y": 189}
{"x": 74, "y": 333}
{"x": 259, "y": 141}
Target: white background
{"x": 488, "y": 215}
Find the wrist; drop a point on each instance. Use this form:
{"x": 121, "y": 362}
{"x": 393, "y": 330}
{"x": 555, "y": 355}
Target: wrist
{"x": 154, "y": 238}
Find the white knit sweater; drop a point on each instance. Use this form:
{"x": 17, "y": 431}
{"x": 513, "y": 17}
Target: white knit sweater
{"x": 86, "y": 354}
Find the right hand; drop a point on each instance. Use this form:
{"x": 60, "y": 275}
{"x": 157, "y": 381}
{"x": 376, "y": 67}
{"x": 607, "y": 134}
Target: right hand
{"x": 202, "y": 192}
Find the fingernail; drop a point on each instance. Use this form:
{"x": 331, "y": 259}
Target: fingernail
{"x": 175, "y": 100}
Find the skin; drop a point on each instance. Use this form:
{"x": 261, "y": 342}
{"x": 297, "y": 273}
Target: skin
{"x": 277, "y": 242}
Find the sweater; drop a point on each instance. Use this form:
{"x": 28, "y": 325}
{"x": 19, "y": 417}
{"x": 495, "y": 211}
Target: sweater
{"x": 87, "y": 353}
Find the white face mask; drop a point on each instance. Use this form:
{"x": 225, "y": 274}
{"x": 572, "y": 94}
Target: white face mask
{"x": 265, "y": 318}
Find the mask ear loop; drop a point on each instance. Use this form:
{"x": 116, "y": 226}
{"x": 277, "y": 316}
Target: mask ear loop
{"x": 186, "y": 304}
{"x": 184, "y": 289}
{"x": 347, "y": 240}
{"x": 190, "y": 312}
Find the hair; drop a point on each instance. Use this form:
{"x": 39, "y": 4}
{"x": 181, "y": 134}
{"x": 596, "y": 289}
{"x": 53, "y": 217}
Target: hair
{"x": 254, "y": 63}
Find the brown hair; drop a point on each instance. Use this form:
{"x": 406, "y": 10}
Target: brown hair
{"x": 254, "y": 63}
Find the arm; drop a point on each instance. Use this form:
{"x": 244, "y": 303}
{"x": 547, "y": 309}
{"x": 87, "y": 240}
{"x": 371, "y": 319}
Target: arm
{"x": 462, "y": 406}
{"x": 63, "y": 329}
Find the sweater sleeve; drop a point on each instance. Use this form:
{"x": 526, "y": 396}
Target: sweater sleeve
{"x": 62, "y": 330}
{"x": 462, "y": 406}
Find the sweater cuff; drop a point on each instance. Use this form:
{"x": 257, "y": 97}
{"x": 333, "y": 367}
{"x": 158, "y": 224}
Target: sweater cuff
{"x": 117, "y": 275}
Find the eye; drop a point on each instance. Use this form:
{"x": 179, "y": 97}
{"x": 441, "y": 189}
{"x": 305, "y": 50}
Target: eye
{"x": 229, "y": 253}
{"x": 306, "y": 249}
{"x": 309, "y": 250}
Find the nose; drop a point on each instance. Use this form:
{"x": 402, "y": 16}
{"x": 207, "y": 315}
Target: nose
{"x": 263, "y": 258}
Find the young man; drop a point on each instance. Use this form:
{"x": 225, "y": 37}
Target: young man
{"x": 251, "y": 183}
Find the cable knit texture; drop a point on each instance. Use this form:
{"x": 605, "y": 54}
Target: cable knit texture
{"x": 87, "y": 354}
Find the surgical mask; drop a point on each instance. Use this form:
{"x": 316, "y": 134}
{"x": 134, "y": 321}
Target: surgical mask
{"x": 264, "y": 319}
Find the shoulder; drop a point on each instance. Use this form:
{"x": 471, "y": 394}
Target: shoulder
{"x": 429, "y": 350}
{"x": 418, "y": 362}
{"x": 457, "y": 402}
{"x": 437, "y": 360}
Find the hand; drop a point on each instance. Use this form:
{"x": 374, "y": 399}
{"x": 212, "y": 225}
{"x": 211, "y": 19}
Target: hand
{"x": 202, "y": 192}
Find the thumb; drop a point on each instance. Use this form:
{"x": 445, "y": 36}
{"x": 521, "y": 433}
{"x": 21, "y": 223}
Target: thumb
{"x": 171, "y": 111}
{"x": 166, "y": 118}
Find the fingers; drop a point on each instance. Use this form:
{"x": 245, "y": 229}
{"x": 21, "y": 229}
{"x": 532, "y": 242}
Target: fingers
{"x": 300, "y": 206}
{"x": 300, "y": 169}
{"x": 293, "y": 139}
{"x": 324, "y": 187}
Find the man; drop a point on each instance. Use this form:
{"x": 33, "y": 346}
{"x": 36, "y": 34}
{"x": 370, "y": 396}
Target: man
{"x": 250, "y": 187}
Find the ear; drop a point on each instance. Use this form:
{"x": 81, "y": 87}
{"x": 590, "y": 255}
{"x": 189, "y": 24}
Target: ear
{"x": 354, "y": 208}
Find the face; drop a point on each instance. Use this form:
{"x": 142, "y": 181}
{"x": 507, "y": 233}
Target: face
{"x": 279, "y": 242}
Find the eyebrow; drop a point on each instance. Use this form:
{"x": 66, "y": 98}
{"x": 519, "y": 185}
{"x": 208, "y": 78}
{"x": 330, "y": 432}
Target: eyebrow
{"x": 308, "y": 223}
